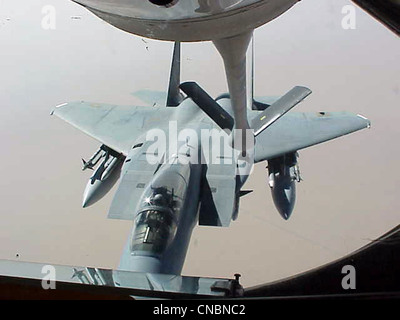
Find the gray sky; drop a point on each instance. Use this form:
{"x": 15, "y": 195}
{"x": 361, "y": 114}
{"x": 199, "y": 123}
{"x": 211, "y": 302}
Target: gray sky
{"x": 350, "y": 190}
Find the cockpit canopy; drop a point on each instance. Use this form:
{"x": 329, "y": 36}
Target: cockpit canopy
{"x": 159, "y": 210}
{"x": 154, "y": 231}
{"x": 167, "y": 191}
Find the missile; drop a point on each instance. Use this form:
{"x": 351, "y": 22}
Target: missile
{"x": 93, "y": 160}
{"x": 102, "y": 180}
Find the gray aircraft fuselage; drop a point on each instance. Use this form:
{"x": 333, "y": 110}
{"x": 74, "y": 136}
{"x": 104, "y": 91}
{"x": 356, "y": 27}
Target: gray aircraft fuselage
{"x": 161, "y": 233}
{"x": 169, "y": 254}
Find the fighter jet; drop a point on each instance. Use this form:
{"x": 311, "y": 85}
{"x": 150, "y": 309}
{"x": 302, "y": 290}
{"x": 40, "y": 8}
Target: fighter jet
{"x": 177, "y": 168}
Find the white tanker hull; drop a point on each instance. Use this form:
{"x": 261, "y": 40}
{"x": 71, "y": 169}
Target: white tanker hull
{"x": 188, "y": 20}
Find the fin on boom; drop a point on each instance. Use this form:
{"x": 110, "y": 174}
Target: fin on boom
{"x": 222, "y": 118}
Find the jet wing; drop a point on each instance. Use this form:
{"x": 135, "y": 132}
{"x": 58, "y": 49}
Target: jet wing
{"x": 295, "y": 131}
{"x": 118, "y": 127}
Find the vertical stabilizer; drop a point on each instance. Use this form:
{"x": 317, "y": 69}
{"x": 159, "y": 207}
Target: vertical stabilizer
{"x": 174, "y": 97}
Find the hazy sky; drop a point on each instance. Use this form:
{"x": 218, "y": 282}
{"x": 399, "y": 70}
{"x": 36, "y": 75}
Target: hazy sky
{"x": 350, "y": 190}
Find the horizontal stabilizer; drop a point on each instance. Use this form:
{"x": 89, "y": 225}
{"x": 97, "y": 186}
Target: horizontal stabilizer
{"x": 174, "y": 97}
{"x": 222, "y": 118}
{"x": 279, "y": 108}
{"x": 151, "y": 98}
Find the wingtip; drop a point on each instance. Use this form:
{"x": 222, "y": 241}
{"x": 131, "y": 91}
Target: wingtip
{"x": 308, "y": 90}
{"x": 58, "y": 106}
{"x": 368, "y": 122}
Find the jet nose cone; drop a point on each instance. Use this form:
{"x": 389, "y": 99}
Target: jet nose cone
{"x": 285, "y": 214}
{"x": 85, "y": 202}
{"x": 286, "y": 206}
{"x": 284, "y": 196}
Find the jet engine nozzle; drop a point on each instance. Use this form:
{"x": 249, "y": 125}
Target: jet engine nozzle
{"x": 164, "y": 3}
{"x": 92, "y": 162}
